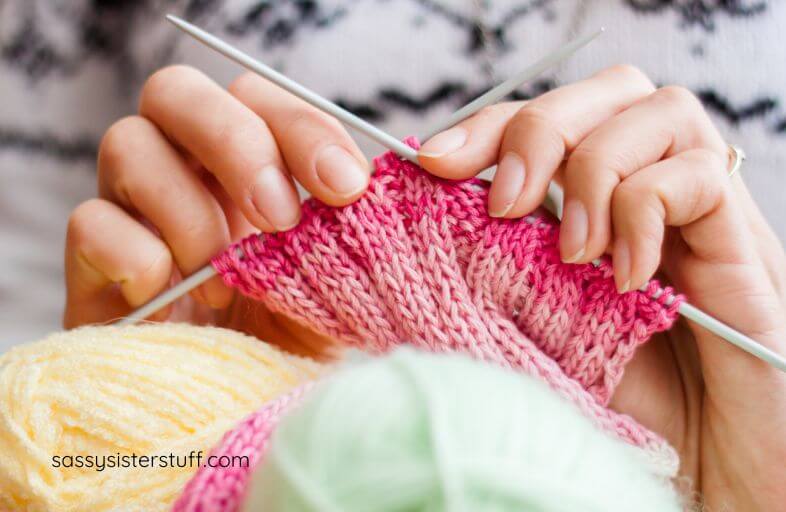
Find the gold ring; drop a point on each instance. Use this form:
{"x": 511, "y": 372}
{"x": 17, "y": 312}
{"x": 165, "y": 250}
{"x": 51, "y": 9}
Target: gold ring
{"x": 736, "y": 157}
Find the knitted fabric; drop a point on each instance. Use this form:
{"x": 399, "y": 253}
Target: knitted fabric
{"x": 418, "y": 260}
{"x": 222, "y": 489}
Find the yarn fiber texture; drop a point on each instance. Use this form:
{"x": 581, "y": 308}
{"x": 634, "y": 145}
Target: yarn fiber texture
{"x": 149, "y": 389}
{"x": 224, "y": 489}
{"x": 418, "y": 260}
{"x": 433, "y": 433}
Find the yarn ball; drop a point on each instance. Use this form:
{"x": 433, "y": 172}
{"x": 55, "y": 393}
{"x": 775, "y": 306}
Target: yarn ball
{"x": 110, "y": 391}
{"x": 420, "y": 432}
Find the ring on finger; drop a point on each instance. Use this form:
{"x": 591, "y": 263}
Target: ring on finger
{"x": 736, "y": 157}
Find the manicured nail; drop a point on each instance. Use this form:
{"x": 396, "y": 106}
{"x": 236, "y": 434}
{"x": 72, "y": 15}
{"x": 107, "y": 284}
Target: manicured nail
{"x": 275, "y": 199}
{"x": 507, "y": 185}
{"x": 573, "y": 232}
{"x": 443, "y": 143}
{"x": 340, "y": 171}
{"x": 621, "y": 261}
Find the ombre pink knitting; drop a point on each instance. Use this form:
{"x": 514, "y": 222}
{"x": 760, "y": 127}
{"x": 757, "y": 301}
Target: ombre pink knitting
{"x": 418, "y": 260}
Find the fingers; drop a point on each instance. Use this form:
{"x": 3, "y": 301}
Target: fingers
{"x": 105, "y": 245}
{"x": 470, "y": 146}
{"x": 545, "y": 130}
{"x": 228, "y": 139}
{"x": 147, "y": 165}
{"x": 529, "y": 141}
{"x": 679, "y": 191}
{"x": 663, "y": 124}
{"x": 139, "y": 170}
{"x": 317, "y": 149}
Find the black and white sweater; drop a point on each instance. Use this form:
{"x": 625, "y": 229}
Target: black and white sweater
{"x": 68, "y": 68}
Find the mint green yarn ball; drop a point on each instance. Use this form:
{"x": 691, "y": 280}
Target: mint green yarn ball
{"x": 419, "y": 432}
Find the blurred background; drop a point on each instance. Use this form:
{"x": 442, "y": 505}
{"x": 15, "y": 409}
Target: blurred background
{"x": 69, "y": 68}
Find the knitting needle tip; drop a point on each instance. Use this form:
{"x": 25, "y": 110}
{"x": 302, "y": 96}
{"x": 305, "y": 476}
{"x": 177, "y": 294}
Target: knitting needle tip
{"x": 508, "y": 86}
{"x": 174, "y": 19}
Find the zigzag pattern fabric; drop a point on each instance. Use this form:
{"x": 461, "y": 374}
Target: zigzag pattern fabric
{"x": 418, "y": 260}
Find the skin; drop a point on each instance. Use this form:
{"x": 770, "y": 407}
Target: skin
{"x": 645, "y": 179}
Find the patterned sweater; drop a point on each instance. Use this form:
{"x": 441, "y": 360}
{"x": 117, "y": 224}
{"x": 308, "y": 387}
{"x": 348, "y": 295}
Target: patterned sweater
{"x": 69, "y": 68}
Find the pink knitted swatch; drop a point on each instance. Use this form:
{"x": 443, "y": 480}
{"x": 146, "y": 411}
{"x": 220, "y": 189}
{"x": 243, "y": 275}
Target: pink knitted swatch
{"x": 222, "y": 489}
{"x": 418, "y": 260}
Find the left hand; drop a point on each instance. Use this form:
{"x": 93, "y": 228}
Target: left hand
{"x": 645, "y": 175}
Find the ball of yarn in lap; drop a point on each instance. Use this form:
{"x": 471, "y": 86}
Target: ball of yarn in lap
{"x": 108, "y": 391}
{"x": 420, "y": 432}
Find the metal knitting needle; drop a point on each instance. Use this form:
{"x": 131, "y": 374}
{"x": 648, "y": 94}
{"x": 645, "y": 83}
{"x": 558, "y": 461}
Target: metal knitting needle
{"x": 685, "y": 309}
{"x": 395, "y": 145}
{"x": 296, "y": 89}
{"x": 508, "y": 86}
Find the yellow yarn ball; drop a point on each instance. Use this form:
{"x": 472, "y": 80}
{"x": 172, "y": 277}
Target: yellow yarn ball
{"x": 145, "y": 390}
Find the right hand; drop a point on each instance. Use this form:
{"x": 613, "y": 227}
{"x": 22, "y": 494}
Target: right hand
{"x": 198, "y": 168}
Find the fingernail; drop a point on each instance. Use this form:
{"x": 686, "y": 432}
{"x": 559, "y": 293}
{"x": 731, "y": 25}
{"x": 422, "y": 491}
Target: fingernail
{"x": 507, "y": 185}
{"x": 444, "y": 143}
{"x": 275, "y": 199}
{"x": 340, "y": 171}
{"x": 573, "y": 232}
{"x": 621, "y": 261}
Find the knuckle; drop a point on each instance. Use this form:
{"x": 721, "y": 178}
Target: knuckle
{"x": 705, "y": 158}
{"x": 156, "y": 266}
{"x": 702, "y": 199}
{"x": 160, "y": 84}
{"x": 635, "y": 203}
{"x": 498, "y": 111}
{"x": 629, "y": 194}
{"x": 631, "y": 74}
{"x": 708, "y": 186}
{"x": 332, "y": 122}
{"x": 124, "y": 137}
{"x": 243, "y": 83}
{"x": 532, "y": 113}
{"x": 586, "y": 158}
{"x": 530, "y": 119}
{"x": 678, "y": 96}
{"x": 599, "y": 160}
{"x": 170, "y": 76}
{"x": 81, "y": 221}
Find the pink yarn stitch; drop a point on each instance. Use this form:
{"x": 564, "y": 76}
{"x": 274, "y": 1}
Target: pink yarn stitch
{"x": 418, "y": 260}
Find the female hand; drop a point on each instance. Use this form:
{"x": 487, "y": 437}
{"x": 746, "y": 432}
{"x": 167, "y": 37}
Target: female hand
{"x": 198, "y": 168}
{"x": 645, "y": 175}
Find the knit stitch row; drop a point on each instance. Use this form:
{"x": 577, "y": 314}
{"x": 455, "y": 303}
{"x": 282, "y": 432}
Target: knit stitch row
{"x": 418, "y": 260}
